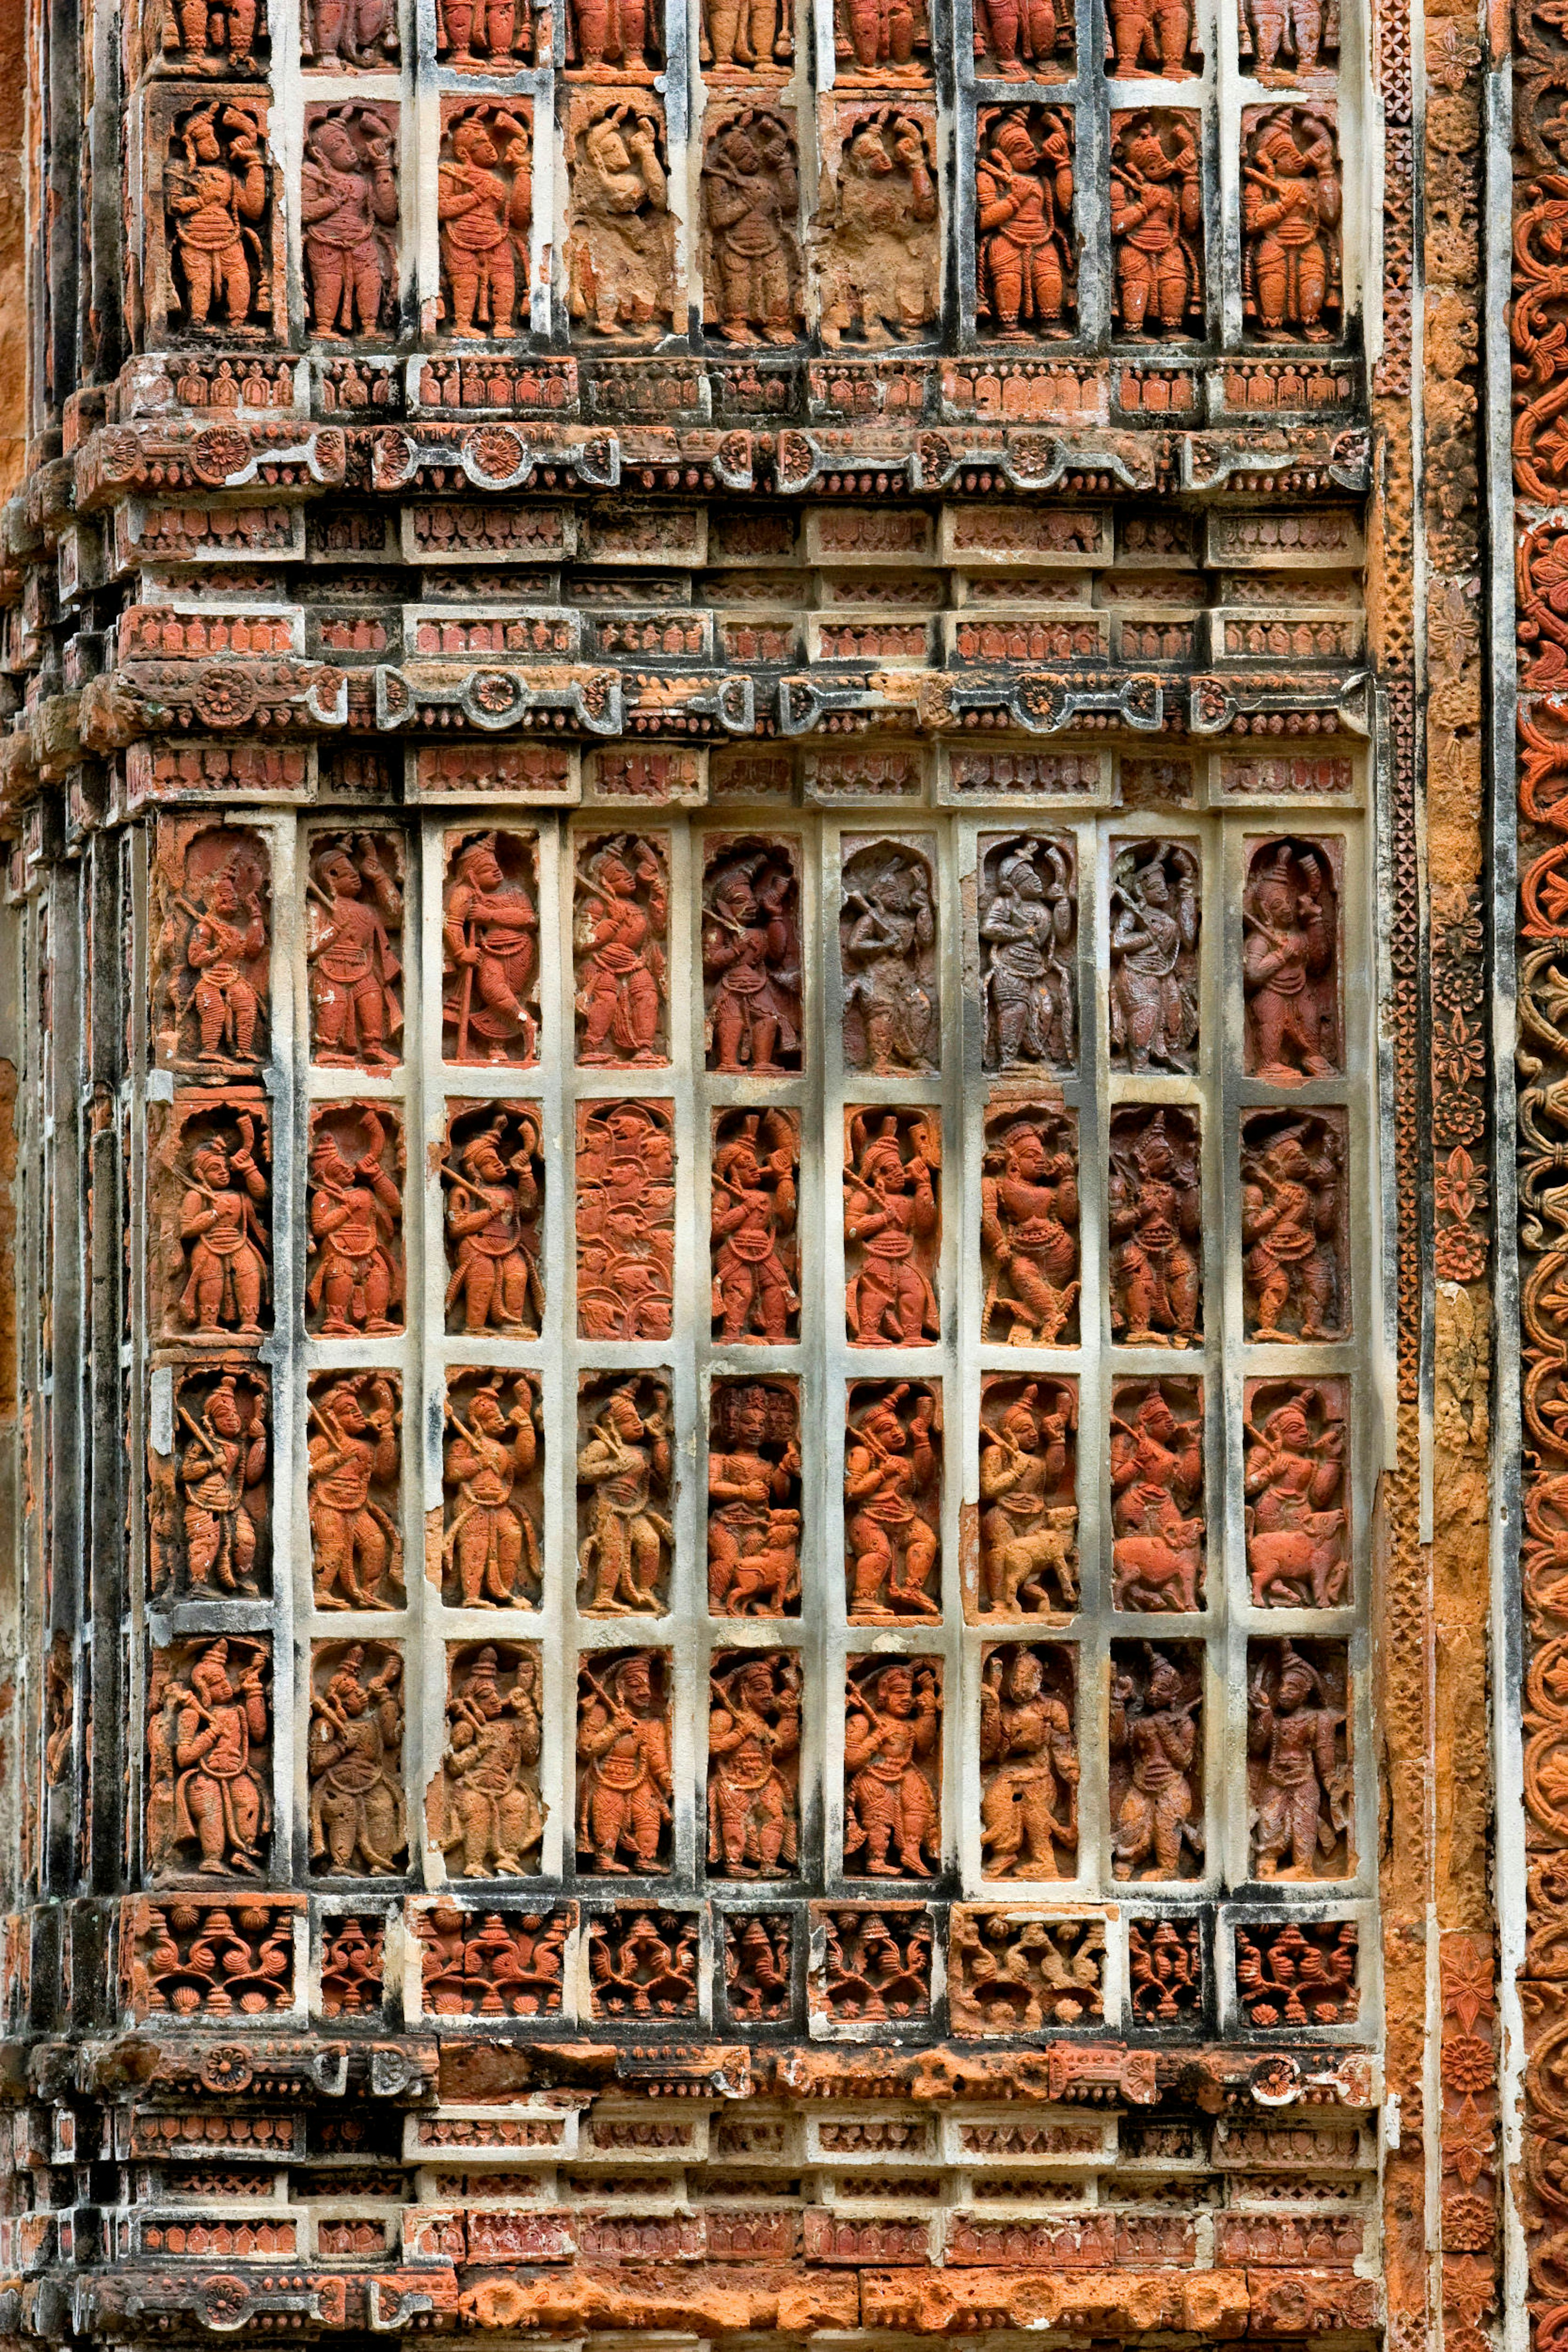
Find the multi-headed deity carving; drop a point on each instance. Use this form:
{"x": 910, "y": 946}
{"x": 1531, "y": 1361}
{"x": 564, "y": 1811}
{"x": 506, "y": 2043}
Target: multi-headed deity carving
{"x": 209, "y": 1766}
{"x": 1156, "y": 1760}
{"x": 613, "y": 40}
{"x": 1157, "y": 215}
{"x": 751, "y": 957}
{"x": 359, "y": 1822}
{"x": 1299, "y": 1771}
{"x": 887, "y": 953}
{"x": 1286, "y": 38}
{"x": 624, "y": 1784}
{"x": 758, "y": 1964}
{"x": 1298, "y": 1972}
{"x": 893, "y": 1501}
{"x": 876, "y": 1962}
{"x": 625, "y": 1492}
{"x": 1291, "y": 208}
{"x": 625, "y": 1220}
{"x": 879, "y": 266}
{"x": 217, "y": 197}
{"x": 1028, "y": 1762}
{"x": 487, "y": 1816}
{"x": 1013, "y": 1971}
{"x": 621, "y": 923}
{"x": 211, "y": 1010}
{"x": 643, "y": 1963}
{"x": 494, "y": 1196}
{"x": 484, "y": 204}
{"x": 754, "y": 1764}
{"x": 1029, "y": 1507}
{"x": 347, "y": 213}
{"x": 490, "y": 950}
{"x": 1156, "y": 1496}
{"x": 1029, "y": 1224}
{"x": 1153, "y": 955}
{"x": 209, "y": 1507}
{"x": 355, "y": 1288}
{"x": 750, "y": 211}
{"x": 1293, "y": 1225}
{"x": 353, "y": 934}
{"x": 1028, "y": 933}
{"x": 1155, "y": 1203}
{"x": 1024, "y": 40}
{"x": 487, "y": 36}
{"x": 621, "y": 247}
{"x": 359, "y": 34}
{"x": 1298, "y": 1532}
{"x": 1025, "y": 247}
{"x": 892, "y": 1161}
{"x": 1165, "y": 1970}
{"x": 1289, "y": 966}
{"x": 1152, "y": 36}
{"x": 753, "y": 1499}
{"x": 351, "y": 1491}
{"x": 893, "y": 1766}
{"x": 492, "y": 1550}
{"x": 755, "y": 1256}
{"x": 218, "y": 1249}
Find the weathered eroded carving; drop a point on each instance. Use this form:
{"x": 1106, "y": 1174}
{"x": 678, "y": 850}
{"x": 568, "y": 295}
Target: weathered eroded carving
{"x": 887, "y": 952}
{"x": 1153, "y": 955}
{"x": 1157, "y": 1762}
{"x": 754, "y": 1764}
{"x": 879, "y": 250}
{"x": 487, "y": 1816}
{"x": 1155, "y": 1218}
{"x": 1299, "y": 1773}
{"x": 1015, "y": 1971}
{"x": 621, "y": 248}
{"x": 1029, "y": 930}
{"x": 625, "y": 1220}
{"x": 1294, "y": 1215}
{"x": 750, "y": 209}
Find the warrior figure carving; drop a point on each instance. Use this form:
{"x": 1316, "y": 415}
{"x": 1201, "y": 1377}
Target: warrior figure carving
{"x": 1023, "y": 229}
{"x": 1029, "y": 1220}
{"x": 223, "y": 1239}
{"x": 1153, "y": 1197}
{"x": 484, "y": 218}
{"x": 625, "y": 1780}
{"x": 354, "y": 1760}
{"x": 225, "y": 1459}
{"x": 754, "y": 1733}
{"x": 215, "y": 188}
{"x": 888, "y": 934}
{"x": 228, "y": 935}
{"x": 494, "y": 1814}
{"x": 492, "y": 1227}
{"x": 1027, "y": 926}
{"x": 355, "y": 909}
{"x": 1287, "y": 967}
{"x": 1153, "y": 1731}
{"x": 220, "y": 1802}
{"x": 892, "y": 1816}
{"x": 1157, "y": 219}
{"x": 348, "y": 198}
{"x": 1290, "y": 1213}
{"x": 355, "y": 1216}
{"x": 1296, "y": 1521}
{"x": 490, "y": 936}
{"x": 1026, "y": 1532}
{"x": 1154, "y": 939}
{"x": 751, "y": 962}
{"x": 752, "y": 1227}
{"x": 625, "y": 1222}
{"x": 892, "y": 1494}
{"x": 891, "y": 1225}
{"x": 1156, "y": 1479}
{"x": 1302, "y": 1783}
{"x": 626, "y": 1456}
{"x": 490, "y": 1541}
{"x": 1028, "y": 1760}
{"x": 355, "y": 1544}
{"x": 753, "y": 1522}
{"x": 622, "y": 916}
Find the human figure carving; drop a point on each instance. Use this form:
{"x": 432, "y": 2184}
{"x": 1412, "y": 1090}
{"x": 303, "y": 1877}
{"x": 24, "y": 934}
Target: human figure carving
{"x": 1156, "y": 220}
{"x": 741, "y": 37}
{"x": 751, "y": 194}
{"x": 626, "y": 1459}
{"x": 877, "y": 224}
{"x": 752, "y": 1228}
{"x": 220, "y": 1803}
{"x": 1294, "y": 31}
{"x": 611, "y": 40}
{"x": 223, "y": 1241}
{"x": 620, "y": 924}
{"x": 1155, "y": 1217}
{"x": 1028, "y": 1533}
{"x": 1029, "y": 1221}
{"x": 620, "y": 252}
{"x": 227, "y": 940}
{"x": 222, "y": 1465}
{"x": 490, "y": 940}
{"x": 891, "y": 1225}
{"x": 879, "y": 37}
{"x": 347, "y": 199}
{"x": 495, "y": 1816}
{"x": 1302, "y": 1781}
{"x": 1290, "y": 205}
{"x": 1154, "y": 960}
{"x": 888, "y": 937}
{"x": 1292, "y": 1210}
{"x": 483, "y": 214}
{"x": 1018, "y": 34}
{"x": 624, "y": 1780}
{"x": 1029, "y": 1766}
{"x": 625, "y": 1221}
{"x": 1154, "y": 1730}
{"x": 753, "y": 1521}
{"x": 1287, "y": 964}
{"x": 217, "y": 186}
{"x": 1028, "y": 923}
{"x": 497, "y": 32}
{"x": 356, "y": 1545}
{"x": 490, "y": 1545}
{"x": 354, "y": 1761}
{"x": 753, "y": 1740}
{"x": 201, "y": 30}
{"x": 1023, "y": 224}
{"x": 356, "y": 1226}
{"x": 892, "y": 1495}
{"x": 348, "y": 32}
{"x": 1150, "y": 36}
{"x": 1156, "y": 1479}
{"x": 493, "y": 1206}
{"x": 751, "y": 961}
{"x": 1296, "y": 1520}
{"x": 892, "y": 1814}
{"x": 355, "y": 913}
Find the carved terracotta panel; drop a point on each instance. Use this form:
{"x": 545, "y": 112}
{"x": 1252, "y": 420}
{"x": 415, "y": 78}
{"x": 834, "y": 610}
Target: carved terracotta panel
{"x": 1017, "y": 1971}
{"x": 354, "y": 923}
{"x": 643, "y": 1963}
{"x": 751, "y": 954}
{"x": 1025, "y": 242}
{"x": 755, "y": 1175}
{"x": 212, "y": 984}
{"x": 1028, "y": 1546}
{"x": 1030, "y": 1767}
{"x": 1289, "y": 962}
{"x": 752, "y": 268}
{"x": 209, "y": 1497}
{"x": 878, "y": 255}
{"x": 1297, "y": 1476}
{"x": 485, "y": 1811}
{"x": 1300, "y": 1782}
{"x": 1029, "y": 1224}
{"x": 625, "y": 1220}
{"x": 349, "y": 218}
{"x": 355, "y": 1286}
{"x": 1156, "y": 1496}
{"x": 1156, "y": 198}
{"x": 892, "y": 1768}
{"x": 358, "y": 1817}
{"x": 353, "y": 1961}
{"x": 359, "y": 36}
{"x": 1165, "y": 1971}
{"x": 888, "y": 956}
{"x": 1295, "y": 1219}
{"x": 893, "y": 1225}
{"x": 754, "y": 1517}
{"x": 624, "y": 1786}
{"x": 493, "y": 1169}
{"x": 490, "y": 949}
{"x": 621, "y": 241}
{"x": 758, "y": 1964}
{"x": 210, "y": 1959}
{"x": 1154, "y": 1200}
{"x": 492, "y": 1963}
{"x": 625, "y": 1494}
{"x": 1288, "y": 41}
{"x": 212, "y": 246}
{"x": 1155, "y": 909}
{"x": 1158, "y": 1828}
{"x": 1028, "y": 904}
{"x": 1292, "y": 204}
{"x": 483, "y": 207}
{"x": 875, "y": 1968}
{"x": 620, "y": 942}
{"x": 209, "y": 1759}
{"x": 211, "y": 1200}
{"x": 892, "y": 1502}
{"x": 194, "y": 36}
{"x": 1025, "y": 40}
{"x": 1294, "y": 1973}
{"x": 754, "y": 1727}
{"x": 491, "y": 1545}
